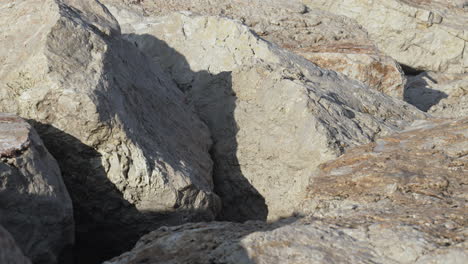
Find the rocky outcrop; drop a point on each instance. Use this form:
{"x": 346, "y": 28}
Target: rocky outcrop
{"x": 423, "y": 35}
{"x": 401, "y": 200}
{"x": 330, "y": 41}
{"x": 34, "y": 204}
{"x": 10, "y": 252}
{"x": 132, "y": 152}
{"x": 442, "y": 95}
{"x": 273, "y": 115}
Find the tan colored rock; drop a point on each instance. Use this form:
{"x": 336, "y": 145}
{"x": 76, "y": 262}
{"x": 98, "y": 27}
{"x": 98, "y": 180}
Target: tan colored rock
{"x": 274, "y": 116}
{"x": 132, "y": 152}
{"x": 416, "y": 178}
{"x": 442, "y": 95}
{"x": 330, "y": 41}
{"x": 400, "y": 200}
{"x": 34, "y": 204}
{"x": 424, "y": 35}
{"x": 10, "y": 252}
{"x": 304, "y": 241}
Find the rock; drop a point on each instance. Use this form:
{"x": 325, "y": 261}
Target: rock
{"x": 427, "y": 35}
{"x": 274, "y": 116}
{"x": 417, "y": 178}
{"x": 133, "y": 154}
{"x": 34, "y": 204}
{"x": 442, "y": 95}
{"x": 330, "y": 41}
{"x": 401, "y": 199}
{"x": 10, "y": 252}
{"x": 304, "y": 241}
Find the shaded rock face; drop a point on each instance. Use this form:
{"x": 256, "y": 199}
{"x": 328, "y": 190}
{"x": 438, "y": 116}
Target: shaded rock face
{"x": 34, "y": 204}
{"x": 330, "y": 41}
{"x": 442, "y": 95}
{"x": 421, "y": 35}
{"x": 133, "y": 154}
{"x": 274, "y": 116}
{"x": 401, "y": 199}
{"x": 10, "y": 252}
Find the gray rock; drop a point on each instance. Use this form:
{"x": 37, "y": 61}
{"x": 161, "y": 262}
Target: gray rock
{"x": 34, "y": 204}
{"x": 10, "y": 252}
{"x": 273, "y": 115}
{"x": 132, "y": 152}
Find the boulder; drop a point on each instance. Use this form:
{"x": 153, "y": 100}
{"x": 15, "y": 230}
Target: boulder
{"x": 304, "y": 241}
{"x": 422, "y": 35}
{"x": 442, "y": 95}
{"x": 417, "y": 178}
{"x": 34, "y": 204}
{"x": 274, "y": 116}
{"x": 330, "y": 41}
{"x": 10, "y": 252}
{"x": 133, "y": 154}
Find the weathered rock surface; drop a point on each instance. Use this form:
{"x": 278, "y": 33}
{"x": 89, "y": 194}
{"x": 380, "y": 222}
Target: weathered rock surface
{"x": 401, "y": 199}
{"x": 417, "y": 179}
{"x": 442, "y": 95}
{"x": 34, "y": 204}
{"x": 273, "y": 115}
{"x": 425, "y": 35}
{"x": 10, "y": 253}
{"x": 305, "y": 241}
{"x": 330, "y": 41}
{"x": 133, "y": 154}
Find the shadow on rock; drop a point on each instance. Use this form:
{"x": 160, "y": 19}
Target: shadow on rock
{"x": 106, "y": 223}
{"x": 215, "y": 102}
{"x": 206, "y": 243}
{"x": 418, "y": 92}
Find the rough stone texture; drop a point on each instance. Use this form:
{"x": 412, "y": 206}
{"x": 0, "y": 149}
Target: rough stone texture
{"x": 305, "y": 241}
{"x": 330, "y": 41}
{"x": 34, "y": 204}
{"x": 400, "y": 200}
{"x": 10, "y": 253}
{"x": 273, "y": 115}
{"x": 417, "y": 179}
{"x": 442, "y": 95}
{"x": 133, "y": 154}
{"x": 424, "y": 35}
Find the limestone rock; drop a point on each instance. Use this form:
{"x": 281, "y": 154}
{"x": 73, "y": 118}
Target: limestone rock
{"x": 330, "y": 41}
{"x": 442, "y": 95}
{"x": 417, "y": 178}
{"x": 273, "y": 115}
{"x": 34, "y": 204}
{"x": 304, "y": 241}
{"x": 132, "y": 152}
{"x": 424, "y": 35}
{"x": 10, "y": 252}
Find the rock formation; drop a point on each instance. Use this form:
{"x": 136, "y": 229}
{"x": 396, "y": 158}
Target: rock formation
{"x": 330, "y": 41}
{"x": 423, "y": 35}
{"x": 10, "y": 252}
{"x": 34, "y": 204}
{"x": 443, "y": 95}
{"x": 132, "y": 152}
{"x": 401, "y": 199}
{"x": 271, "y": 113}
{"x": 417, "y": 179}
